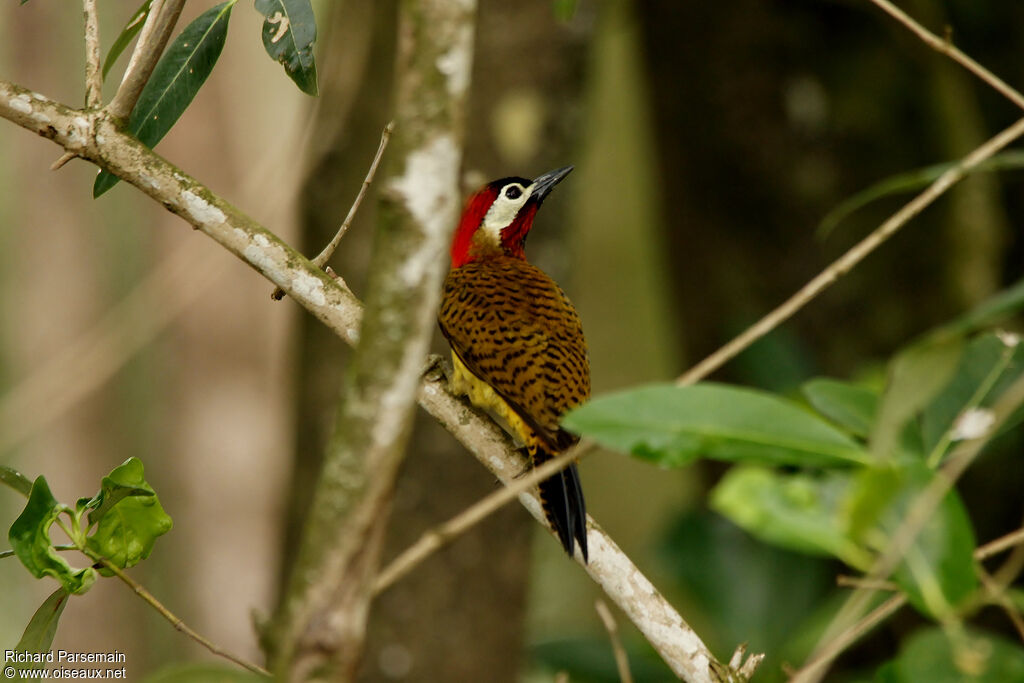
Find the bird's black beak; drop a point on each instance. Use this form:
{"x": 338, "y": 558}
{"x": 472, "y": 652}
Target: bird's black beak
{"x": 542, "y": 185}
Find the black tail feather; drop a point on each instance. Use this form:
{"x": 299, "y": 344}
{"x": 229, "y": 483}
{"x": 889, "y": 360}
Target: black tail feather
{"x": 561, "y": 496}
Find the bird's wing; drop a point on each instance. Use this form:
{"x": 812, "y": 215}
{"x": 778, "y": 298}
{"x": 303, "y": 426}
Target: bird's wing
{"x": 514, "y": 329}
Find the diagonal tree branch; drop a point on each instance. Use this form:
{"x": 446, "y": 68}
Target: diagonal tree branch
{"x": 334, "y": 305}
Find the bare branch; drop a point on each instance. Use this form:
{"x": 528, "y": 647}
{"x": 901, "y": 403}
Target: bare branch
{"x": 946, "y": 47}
{"x": 621, "y": 660}
{"x": 1010, "y": 540}
{"x": 93, "y": 77}
{"x": 851, "y": 258}
{"x": 163, "y": 15}
{"x": 321, "y": 259}
{"x": 175, "y": 621}
{"x": 434, "y": 539}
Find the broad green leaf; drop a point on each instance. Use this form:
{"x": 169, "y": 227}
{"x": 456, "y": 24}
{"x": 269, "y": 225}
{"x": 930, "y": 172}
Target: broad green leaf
{"x": 908, "y": 182}
{"x": 801, "y": 512}
{"x": 16, "y": 480}
{"x": 937, "y": 572}
{"x": 30, "y": 539}
{"x": 976, "y": 657}
{"x": 986, "y": 369}
{"x": 916, "y": 375}
{"x": 178, "y": 75}
{"x": 38, "y": 635}
{"x": 289, "y": 32}
{"x": 673, "y": 426}
{"x": 130, "y": 30}
{"x": 125, "y": 480}
{"x": 202, "y": 673}
{"x": 126, "y": 531}
{"x": 848, "y": 405}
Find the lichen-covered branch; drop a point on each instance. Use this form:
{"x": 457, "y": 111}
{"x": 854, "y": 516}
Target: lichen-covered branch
{"x": 94, "y": 136}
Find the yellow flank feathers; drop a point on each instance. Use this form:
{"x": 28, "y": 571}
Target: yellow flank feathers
{"x": 484, "y": 397}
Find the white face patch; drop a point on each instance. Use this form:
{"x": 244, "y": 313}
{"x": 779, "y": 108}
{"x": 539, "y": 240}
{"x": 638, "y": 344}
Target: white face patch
{"x": 504, "y": 209}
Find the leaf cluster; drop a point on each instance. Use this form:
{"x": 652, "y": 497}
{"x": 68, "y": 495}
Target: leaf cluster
{"x": 835, "y": 471}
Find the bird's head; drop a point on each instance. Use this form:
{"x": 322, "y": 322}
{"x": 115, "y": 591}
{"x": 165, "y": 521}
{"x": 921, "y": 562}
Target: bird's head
{"x": 498, "y": 217}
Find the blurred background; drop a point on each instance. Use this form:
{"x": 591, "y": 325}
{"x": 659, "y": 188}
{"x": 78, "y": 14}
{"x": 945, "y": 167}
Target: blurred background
{"x": 710, "y": 140}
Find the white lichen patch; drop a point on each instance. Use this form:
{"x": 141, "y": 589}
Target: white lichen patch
{"x": 200, "y": 210}
{"x": 426, "y": 188}
{"x": 973, "y": 424}
{"x": 456, "y": 63}
{"x": 308, "y": 287}
{"x": 21, "y": 103}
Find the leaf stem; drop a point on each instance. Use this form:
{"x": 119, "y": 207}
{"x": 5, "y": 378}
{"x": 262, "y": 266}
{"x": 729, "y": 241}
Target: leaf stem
{"x": 172, "y": 618}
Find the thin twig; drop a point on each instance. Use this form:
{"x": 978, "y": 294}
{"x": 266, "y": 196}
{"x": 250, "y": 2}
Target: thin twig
{"x": 850, "y": 635}
{"x": 1014, "y": 538}
{"x": 851, "y": 258}
{"x": 918, "y": 515}
{"x": 844, "y": 581}
{"x": 93, "y": 75}
{"x": 621, "y": 660}
{"x": 321, "y": 259}
{"x": 997, "y": 595}
{"x": 174, "y": 620}
{"x": 434, "y": 539}
{"x": 163, "y": 15}
{"x": 64, "y": 158}
{"x": 947, "y": 48}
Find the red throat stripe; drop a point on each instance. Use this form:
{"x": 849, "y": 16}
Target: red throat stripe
{"x": 472, "y": 217}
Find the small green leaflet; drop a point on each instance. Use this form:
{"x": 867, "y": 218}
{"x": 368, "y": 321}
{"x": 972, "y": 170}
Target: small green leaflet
{"x": 16, "y": 480}
{"x": 42, "y": 627}
{"x": 130, "y": 30}
{"x": 674, "y": 426}
{"x": 177, "y": 78}
{"x": 30, "y": 539}
{"x": 289, "y": 32}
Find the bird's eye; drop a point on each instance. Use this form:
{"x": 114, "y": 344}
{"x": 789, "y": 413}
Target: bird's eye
{"x": 513, "y": 192}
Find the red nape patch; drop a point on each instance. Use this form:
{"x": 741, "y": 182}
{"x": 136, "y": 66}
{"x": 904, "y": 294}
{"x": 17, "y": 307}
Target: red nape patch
{"x": 472, "y": 217}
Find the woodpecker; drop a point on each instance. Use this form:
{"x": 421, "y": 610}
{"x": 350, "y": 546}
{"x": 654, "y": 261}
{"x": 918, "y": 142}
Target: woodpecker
{"x": 516, "y": 339}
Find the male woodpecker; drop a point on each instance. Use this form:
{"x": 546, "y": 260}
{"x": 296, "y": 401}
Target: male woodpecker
{"x": 517, "y": 343}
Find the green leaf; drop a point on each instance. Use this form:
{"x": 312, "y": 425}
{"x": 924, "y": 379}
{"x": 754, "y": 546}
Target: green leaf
{"x": 38, "y": 635}
{"x": 30, "y": 539}
{"x": 16, "y": 480}
{"x": 986, "y": 369}
{"x": 130, "y": 30}
{"x": 931, "y": 655}
{"x": 127, "y": 529}
{"x": 909, "y": 182}
{"x": 673, "y": 426}
{"x": 289, "y": 32}
{"x": 801, "y": 512}
{"x": 916, "y": 375}
{"x": 848, "y": 405}
{"x": 175, "y": 81}
{"x": 125, "y": 480}
{"x": 937, "y": 572}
